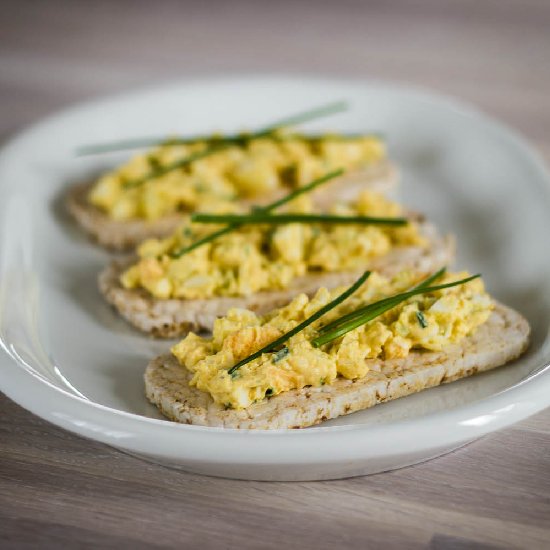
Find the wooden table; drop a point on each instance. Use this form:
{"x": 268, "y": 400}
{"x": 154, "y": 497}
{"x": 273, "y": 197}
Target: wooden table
{"x": 57, "y": 489}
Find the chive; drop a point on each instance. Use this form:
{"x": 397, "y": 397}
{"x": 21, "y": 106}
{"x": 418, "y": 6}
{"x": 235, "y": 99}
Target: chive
{"x": 154, "y": 163}
{"x": 421, "y": 319}
{"x": 301, "y": 191}
{"x": 182, "y": 251}
{"x": 319, "y": 313}
{"x": 163, "y": 170}
{"x": 281, "y": 354}
{"x": 220, "y": 145}
{"x": 357, "y": 313}
{"x": 268, "y": 208}
{"x": 141, "y": 142}
{"x": 429, "y": 280}
{"x": 306, "y": 116}
{"x": 371, "y": 311}
{"x": 233, "y": 139}
{"x": 278, "y": 219}
{"x": 380, "y": 304}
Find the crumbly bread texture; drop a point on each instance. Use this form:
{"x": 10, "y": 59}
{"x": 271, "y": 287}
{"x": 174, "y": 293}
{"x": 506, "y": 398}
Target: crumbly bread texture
{"x": 501, "y": 339}
{"x": 126, "y": 234}
{"x": 175, "y": 317}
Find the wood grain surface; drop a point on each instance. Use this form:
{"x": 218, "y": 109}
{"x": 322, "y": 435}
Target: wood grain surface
{"x": 58, "y": 490}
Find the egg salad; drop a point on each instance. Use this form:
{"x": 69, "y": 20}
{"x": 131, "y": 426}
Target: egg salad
{"x": 262, "y": 257}
{"x": 429, "y": 321}
{"x": 259, "y": 166}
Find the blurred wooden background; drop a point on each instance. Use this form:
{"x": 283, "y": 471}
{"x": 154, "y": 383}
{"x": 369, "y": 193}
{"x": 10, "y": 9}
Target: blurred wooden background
{"x": 56, "y": 488}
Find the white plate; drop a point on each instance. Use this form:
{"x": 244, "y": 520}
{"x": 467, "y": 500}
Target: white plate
{"x": 74, "y": 363}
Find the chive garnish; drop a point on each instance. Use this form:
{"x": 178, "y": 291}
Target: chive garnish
{"x": 305, "y": 116}
{"x": 234, "y": 139}
{"x": 429, "y": 280}
{"x": 281, "y": 354}
{"x": 163, "y": 170}
{"x": 238, "y": 139}
{"x": 371, "y": 311}
{"x": 221, "y": 144}
{"x": 141, "y": 142}
{"x": 268, "y": 208}
{"x": 357, "y": 313}
{"x": 319, "y": 313}
{"x": 421, "y": 319}
{"x": 278, "y": 219}
{"x": 154, "y": 163}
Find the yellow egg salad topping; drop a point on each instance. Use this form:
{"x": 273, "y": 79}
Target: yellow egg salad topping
{"x": 263, "y": 166}
{"x": 446, "y": 316}
{"x": 262, "y": 257}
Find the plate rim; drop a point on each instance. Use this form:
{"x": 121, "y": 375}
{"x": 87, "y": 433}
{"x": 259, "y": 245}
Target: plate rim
{"x": 528, "y": 393}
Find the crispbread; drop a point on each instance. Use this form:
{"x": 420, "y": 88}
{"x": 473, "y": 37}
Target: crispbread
{"x": 499, "y": 340}
{"x": 125, "y": 234}
{"x": 174, "y": 317}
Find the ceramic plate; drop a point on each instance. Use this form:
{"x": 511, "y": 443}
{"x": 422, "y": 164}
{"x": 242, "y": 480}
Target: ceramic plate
{"x": 69, "y": 359}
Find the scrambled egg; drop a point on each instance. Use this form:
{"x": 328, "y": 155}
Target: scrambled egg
{"x": 262, "y": 166}
{"x": 430, "y": 321}
{"x": 262, "y": 257}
